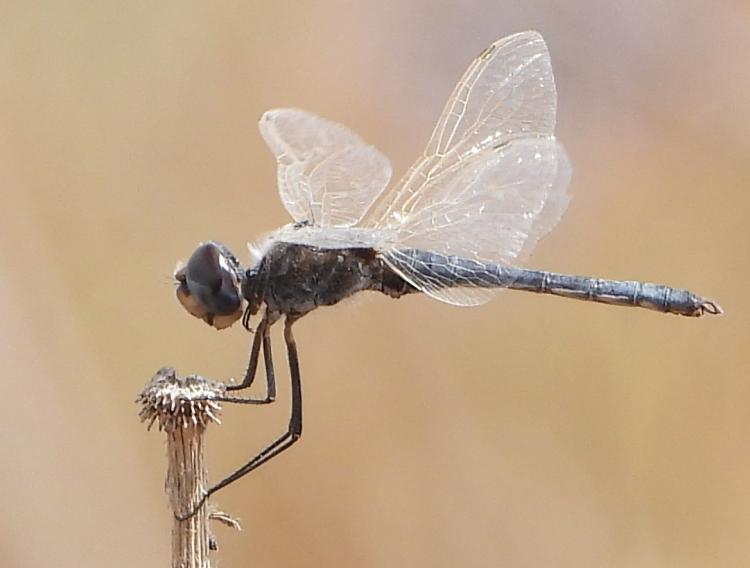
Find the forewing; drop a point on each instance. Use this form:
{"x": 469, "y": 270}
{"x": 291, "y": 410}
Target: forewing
{"x": 327, "y": 175}
{"x": 493, "y": 179}
{"x": 508, "y": 92}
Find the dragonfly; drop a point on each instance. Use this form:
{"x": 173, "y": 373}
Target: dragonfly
{"x": 457, "y": 227}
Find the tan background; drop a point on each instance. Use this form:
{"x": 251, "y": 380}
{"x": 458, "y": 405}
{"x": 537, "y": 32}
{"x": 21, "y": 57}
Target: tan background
{"x": 530, "y": 432}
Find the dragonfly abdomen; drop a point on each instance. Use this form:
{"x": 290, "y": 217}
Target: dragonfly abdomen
{"x": 444, "y": 271}
{"x": 647, "y": 295}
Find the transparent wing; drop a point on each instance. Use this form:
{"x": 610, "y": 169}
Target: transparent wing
{"x": 327, "y": 175}
{"x": 493, "y": 179}
{"x": 493, "y": 211}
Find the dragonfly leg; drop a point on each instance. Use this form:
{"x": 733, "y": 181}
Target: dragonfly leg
{"x": 252, "y": 365}
{"x": 263, "y": 333}
{"x": 268, "y": 362}
{"x": 293, "y": 433}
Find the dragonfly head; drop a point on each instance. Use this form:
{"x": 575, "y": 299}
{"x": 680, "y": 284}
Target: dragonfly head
{"x": 208, "y": 286}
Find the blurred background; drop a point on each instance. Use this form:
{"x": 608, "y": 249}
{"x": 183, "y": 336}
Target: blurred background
{"x": 532, "y": 431}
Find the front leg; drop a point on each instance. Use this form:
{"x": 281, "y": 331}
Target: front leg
{"x": 262, "y": 334}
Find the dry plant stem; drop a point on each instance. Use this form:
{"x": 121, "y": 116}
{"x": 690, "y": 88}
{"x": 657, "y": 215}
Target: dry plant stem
{"x": 185, "y": 483}
{"x": 183, "y": 407}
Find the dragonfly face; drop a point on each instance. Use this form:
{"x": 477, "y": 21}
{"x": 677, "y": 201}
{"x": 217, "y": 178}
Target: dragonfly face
{"x": 209, "y": 285}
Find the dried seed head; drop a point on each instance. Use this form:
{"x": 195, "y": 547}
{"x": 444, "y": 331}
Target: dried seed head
{"x": 179, "y": 402}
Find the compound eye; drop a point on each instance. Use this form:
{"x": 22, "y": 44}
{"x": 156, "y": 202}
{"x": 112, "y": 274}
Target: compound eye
{"x": 204, "y": 268}
{"x": 212, "y": 281}
{"x": 208, "y": 286}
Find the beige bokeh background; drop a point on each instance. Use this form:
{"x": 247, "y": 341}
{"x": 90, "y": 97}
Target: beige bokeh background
{"x": 529, "y": 432}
